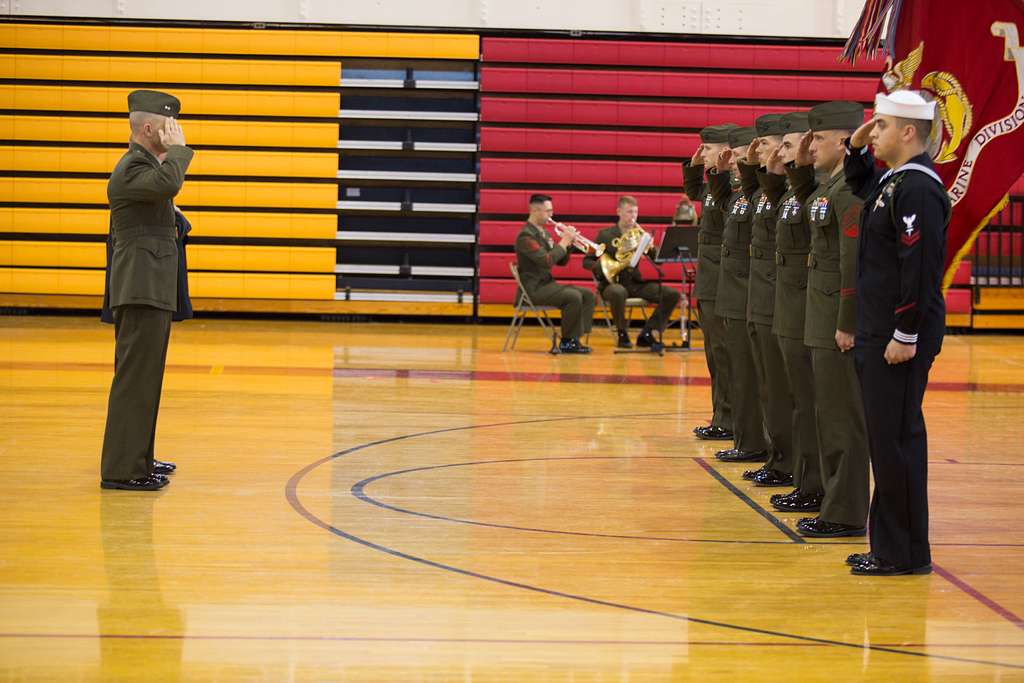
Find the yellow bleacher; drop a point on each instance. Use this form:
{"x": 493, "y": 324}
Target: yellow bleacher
{"x": 240, "y": 41}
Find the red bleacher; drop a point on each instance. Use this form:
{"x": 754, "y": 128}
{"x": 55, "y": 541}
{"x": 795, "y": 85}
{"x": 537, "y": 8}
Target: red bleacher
{"x": 576, "y": 202}
{"x": 585, "y": 112}
{"x": 679, "y": 55}
{"x": 666, "y": 84}
{"x": 587, "y": 142}
{"x": 582, "y": 172}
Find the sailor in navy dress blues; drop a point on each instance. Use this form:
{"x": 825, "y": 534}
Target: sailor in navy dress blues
{"x": 901, "y": 318}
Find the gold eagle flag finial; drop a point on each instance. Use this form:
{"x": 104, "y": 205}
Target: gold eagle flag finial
{"x": 901, "y": 75}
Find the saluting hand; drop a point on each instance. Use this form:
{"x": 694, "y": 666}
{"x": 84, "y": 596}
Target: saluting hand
{"x": 803, "y": 152}
{"x": 775, "y": 165}
{"x": 724, "y": 161}
{"x": 171, "y": 134}
{"x": 698, "y": 157}
{"x": 862, "y": 135}
{"x": 752, "y": 152}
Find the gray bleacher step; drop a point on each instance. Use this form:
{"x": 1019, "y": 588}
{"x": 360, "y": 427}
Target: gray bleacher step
{"x": 428, "y": 271}
{"x": 402, "y": 114}
{"x": 423, "y": 237}
{"x": 399, "y": 83}
{"x": 426, "y": 298}
{"x": 355, "y": 205}
{"x": 416, "y": 146}
{"x": 356, "y": 174}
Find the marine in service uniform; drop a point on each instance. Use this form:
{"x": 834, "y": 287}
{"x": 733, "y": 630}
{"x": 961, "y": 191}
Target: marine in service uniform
{"x": 143, "y": 285}
{"x": 833, "y": 214}
{"x": 629, "y": 282}
{"x": 901, "y": 318}
{"x": 789, "y": 186}
{"x": 714, "y": 140}
{"x": 536, "y": 255}
{"x": 750, "y": 443}
{"x": 773, "y": 384}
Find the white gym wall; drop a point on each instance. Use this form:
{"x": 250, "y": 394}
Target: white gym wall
{"x": 789, "y": 18}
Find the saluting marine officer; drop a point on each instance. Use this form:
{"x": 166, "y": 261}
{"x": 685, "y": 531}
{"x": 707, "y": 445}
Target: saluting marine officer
{"x": 750, "y": 443}
{"x": 714, "y": 140}
{"x": 833, "y": 214}
{"x": 143, "y": 285}
{"x": 901, "y": 319}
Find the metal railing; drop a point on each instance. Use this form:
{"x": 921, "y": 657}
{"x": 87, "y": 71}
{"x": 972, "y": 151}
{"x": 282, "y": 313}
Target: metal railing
{"x": 997, "y": 257}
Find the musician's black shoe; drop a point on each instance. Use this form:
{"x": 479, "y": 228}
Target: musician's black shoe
{"x": 773, "y": 478}
{"x": 161, "y": 467}
{"x": 153, "y": 482}
{"x": 736, "y": 455}
{"x": 572, "y": 345}
{"x": 797, "y": 501}
{"x": 645, "y": 339}
{"x": 750, "y": 475}
{"x": 624, "y": 342}
{"x": 712, "y": 433}
{"x": 876, "y": 566}
{"x": 819, "y": 528}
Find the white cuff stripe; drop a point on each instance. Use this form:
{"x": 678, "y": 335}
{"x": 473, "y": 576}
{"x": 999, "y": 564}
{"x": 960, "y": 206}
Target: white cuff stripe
{"x": 904, "y": 338}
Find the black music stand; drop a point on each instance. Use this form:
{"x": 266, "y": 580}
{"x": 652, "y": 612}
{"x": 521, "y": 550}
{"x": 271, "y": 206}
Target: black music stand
{"x": 679, "y": 245}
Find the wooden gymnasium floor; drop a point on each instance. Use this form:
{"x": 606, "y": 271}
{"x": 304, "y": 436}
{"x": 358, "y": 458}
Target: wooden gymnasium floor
{"x": 397, "y": 502}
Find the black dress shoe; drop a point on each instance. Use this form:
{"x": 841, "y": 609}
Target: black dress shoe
{"x": 875, "y": 566}
{"x": 857, "y": 558}
{"x": 572, "y": 345}
{"x": 776, "y": 497}
{"x": 736, "y": 455}
{"x": 645, "y": 339}
{"x": 816, "y": 527}
{"x": 750, "y": 475}
{"x": 148, "y": 483}
{"x": 624, "y": 342}
{"x": 773, "y": 478}
{"x": 797, "y": 502}
{"x": 712, "y": 433}
{"x": 161, "y": 467}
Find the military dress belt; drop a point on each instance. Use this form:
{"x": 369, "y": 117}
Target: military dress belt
{"x": 762, "y": 254}
{"x": 815, "y": 262}
{"x": 795, "y": 258}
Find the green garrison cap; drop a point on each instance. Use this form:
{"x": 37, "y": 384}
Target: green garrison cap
{"x": 719, "y": 133}
{"x": 741, "y": 137}
{"x": 154, "y": 102}
{"x": 836, "y": 115}
{"x": 769, "y": 124}
{"x": 795, "y": 122}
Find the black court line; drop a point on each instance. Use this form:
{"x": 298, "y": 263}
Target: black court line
{"x": 359, "y": 491}
{"x": 291, "y": 495}
{"x": 775, "y": 521}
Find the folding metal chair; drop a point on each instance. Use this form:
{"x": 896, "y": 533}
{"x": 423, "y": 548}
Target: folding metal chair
{"x": 525, "y": 306}
{"x": 632, "y": 303}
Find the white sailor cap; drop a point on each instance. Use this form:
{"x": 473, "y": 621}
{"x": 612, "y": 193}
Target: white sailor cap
{"x": 905, "y": 104}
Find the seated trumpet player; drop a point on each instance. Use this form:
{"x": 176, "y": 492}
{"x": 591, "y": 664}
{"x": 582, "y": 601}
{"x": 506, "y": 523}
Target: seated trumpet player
{"x": 618, "y": 276}
{"x": 536, "y": 254}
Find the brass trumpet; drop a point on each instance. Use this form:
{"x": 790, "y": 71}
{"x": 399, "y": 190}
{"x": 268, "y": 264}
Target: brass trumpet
{"x": 579, "y": 241}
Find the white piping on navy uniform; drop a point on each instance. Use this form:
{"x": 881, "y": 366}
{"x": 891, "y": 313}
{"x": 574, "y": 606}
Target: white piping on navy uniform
{"x": 904, "y": 338}
{"x": 913, "y": 167}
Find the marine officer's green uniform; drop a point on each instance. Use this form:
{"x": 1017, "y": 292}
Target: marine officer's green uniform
{"x": 833, "y": 214}
{"x": 705, "y": 290}
{"x": 143, "y": 291}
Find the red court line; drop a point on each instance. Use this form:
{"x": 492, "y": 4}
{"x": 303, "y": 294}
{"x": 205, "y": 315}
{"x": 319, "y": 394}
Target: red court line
{"x": 468, "y": 375}
{"x": 979, "y": 596}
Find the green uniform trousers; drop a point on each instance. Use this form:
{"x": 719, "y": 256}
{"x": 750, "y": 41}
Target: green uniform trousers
{"x": 141, "y": 335}
{"x": 776, "y": 396}
{"x": 800, "y": 373}
{"x": 615, "y": 296}
{"x": 842, "y": 438}
{"x": 576, "y": 304}
{"x": 747, "y": 418}
{"x": 713, "y": 330}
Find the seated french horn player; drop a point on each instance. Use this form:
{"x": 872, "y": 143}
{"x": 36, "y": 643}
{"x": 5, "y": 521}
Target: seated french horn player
{"x": 619, "y": 278}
